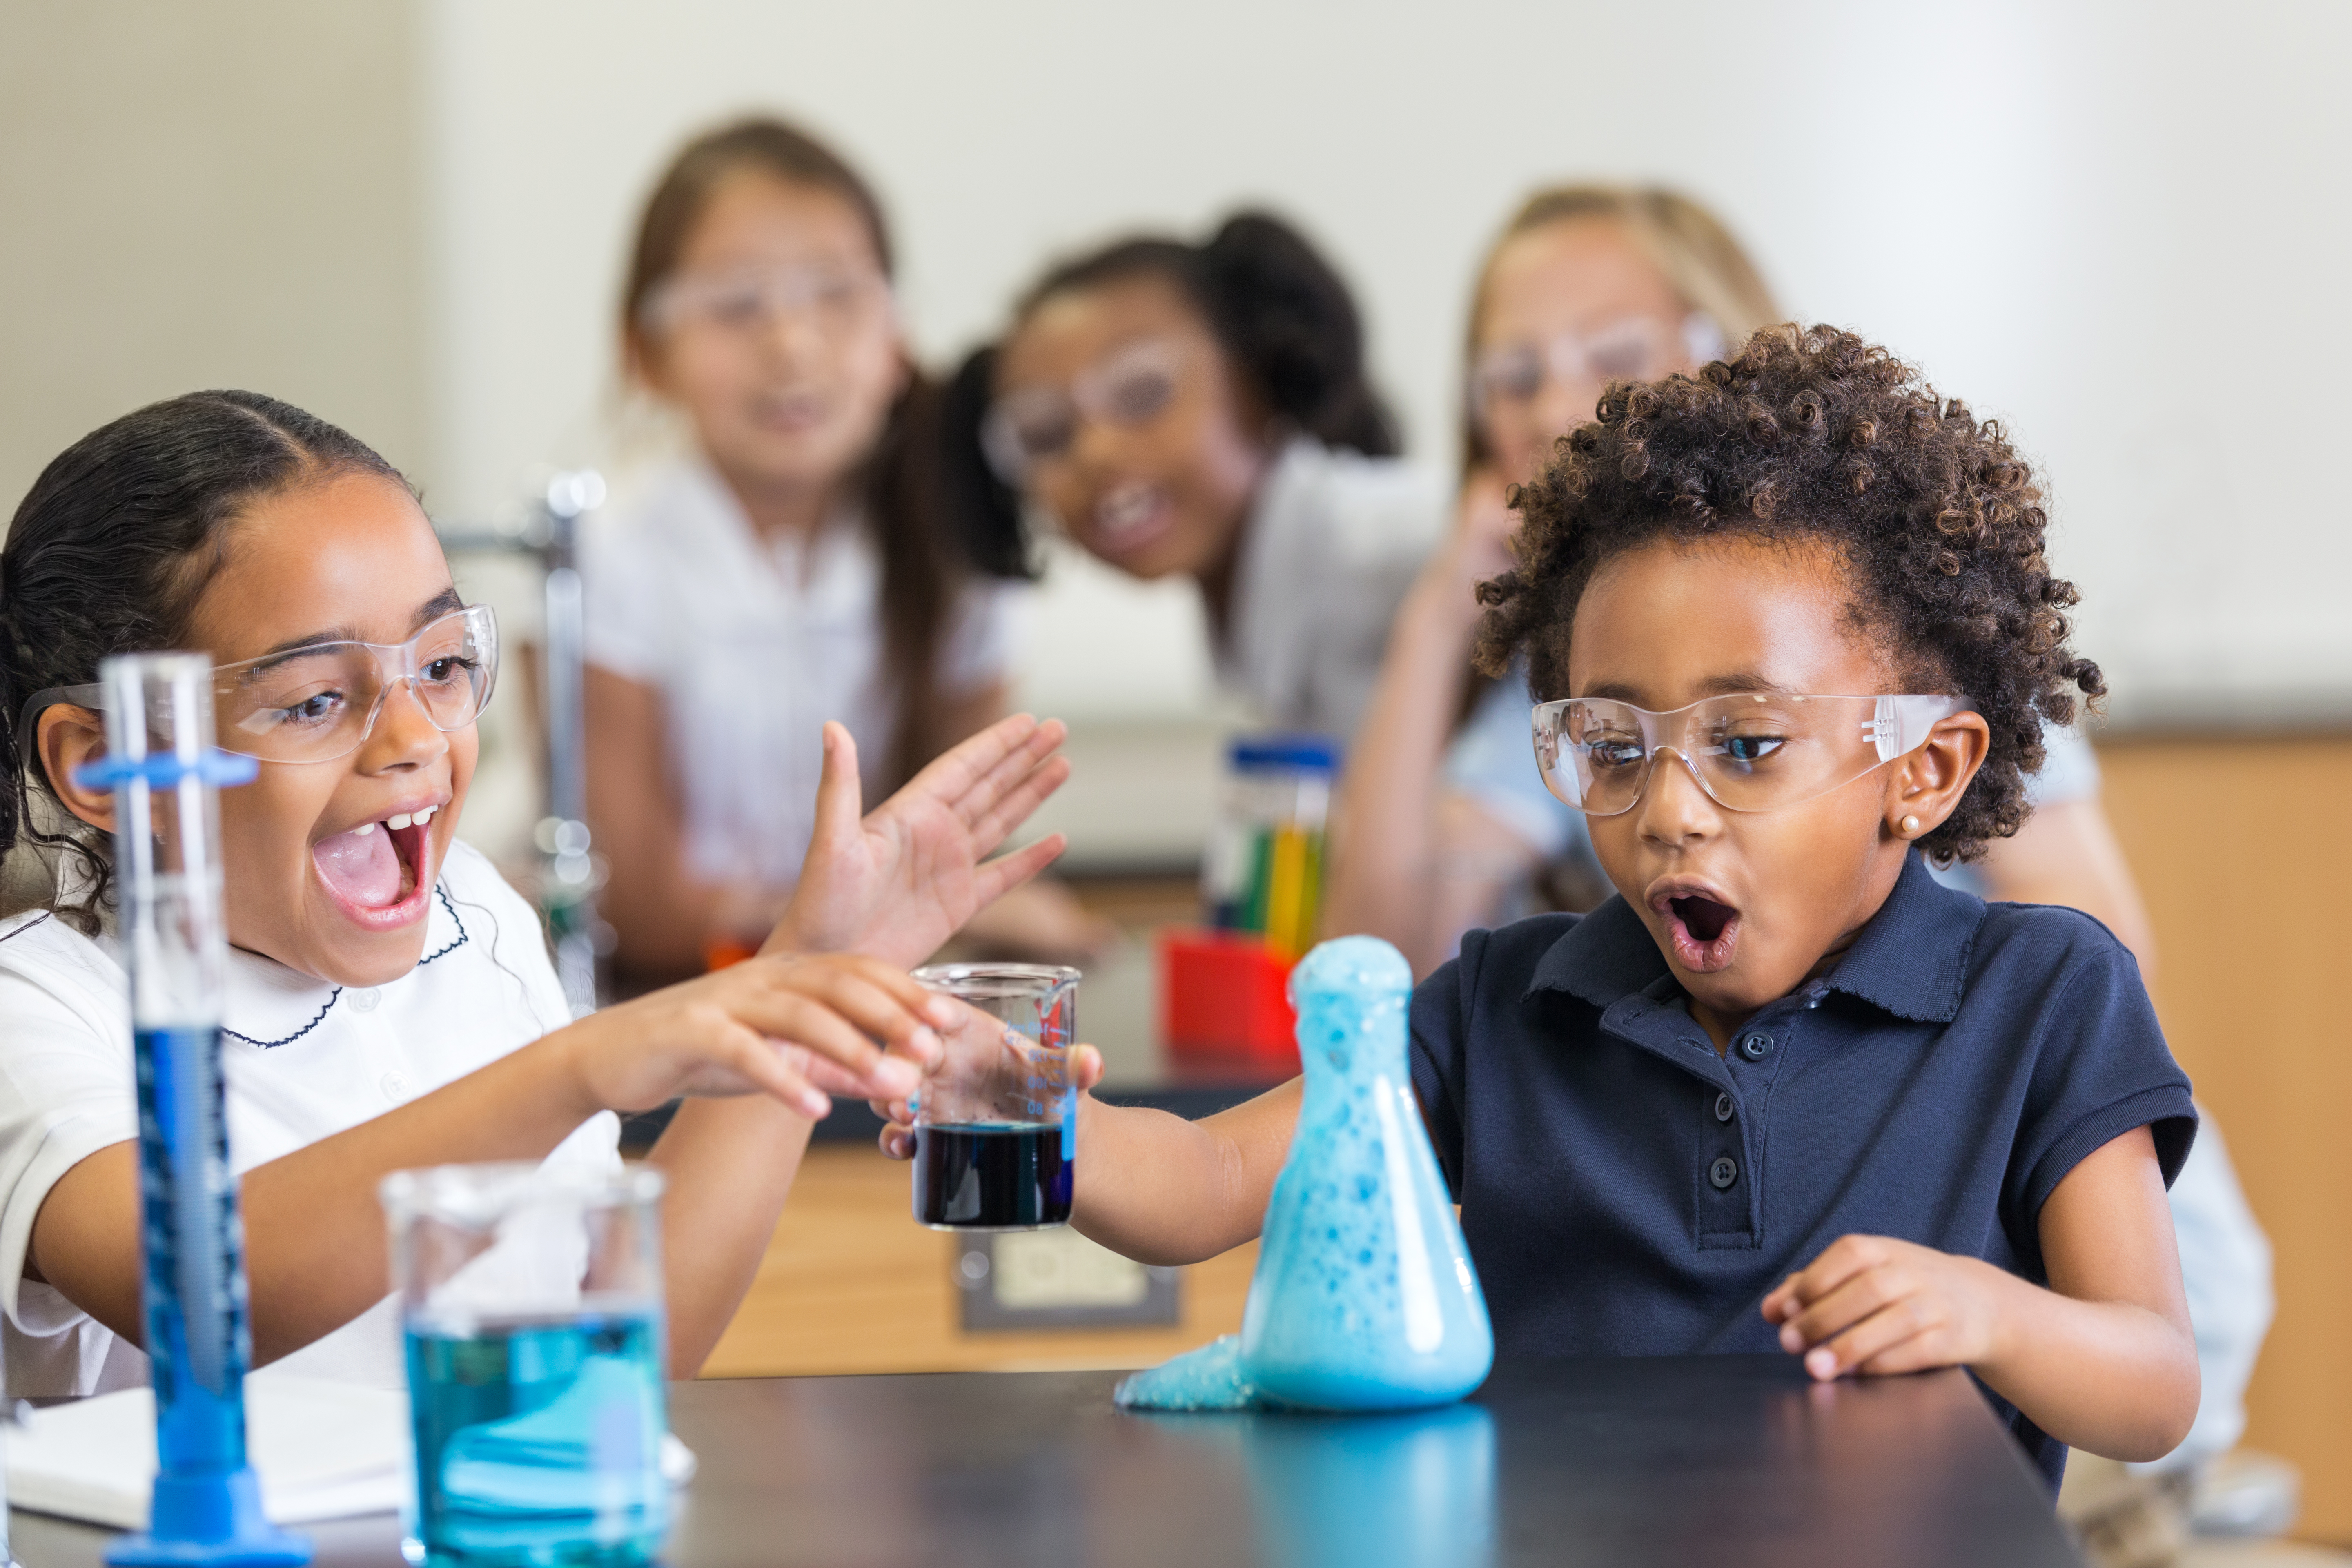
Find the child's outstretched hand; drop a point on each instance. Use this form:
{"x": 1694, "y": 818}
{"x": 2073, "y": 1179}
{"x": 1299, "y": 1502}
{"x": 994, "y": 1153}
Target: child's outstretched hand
{"x": 1874, "y": 1304}
{"x": 899, "y": 882}
{"x": 797, "y": 1027}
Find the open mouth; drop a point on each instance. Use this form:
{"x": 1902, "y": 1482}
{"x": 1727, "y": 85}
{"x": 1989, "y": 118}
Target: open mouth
{"x": 378, "y": 871}
{"x": 1131, "y": 517}
{"x": 1704, "y": 931}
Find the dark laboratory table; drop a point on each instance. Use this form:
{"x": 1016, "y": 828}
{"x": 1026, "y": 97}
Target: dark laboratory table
{"x": 1684, "y": 1460}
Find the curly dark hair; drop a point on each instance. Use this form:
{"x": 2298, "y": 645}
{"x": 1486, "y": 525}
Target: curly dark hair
{"x": 1814, "y": 434}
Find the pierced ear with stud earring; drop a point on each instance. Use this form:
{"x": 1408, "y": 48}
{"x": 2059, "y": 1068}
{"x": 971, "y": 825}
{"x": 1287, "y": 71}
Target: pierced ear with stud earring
{"x": 1910, "y": 825}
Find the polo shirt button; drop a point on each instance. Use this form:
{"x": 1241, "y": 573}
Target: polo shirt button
{"x": 394, "y": 1085}
{"x": 363, "y": 999}
{"x": 1723, "y": 1172}
{"x": 1722, "y": 1108}
{"x": 1755, "y": 1047}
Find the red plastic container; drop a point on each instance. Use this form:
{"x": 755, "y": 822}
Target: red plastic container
{"x": 1224, "y": 996}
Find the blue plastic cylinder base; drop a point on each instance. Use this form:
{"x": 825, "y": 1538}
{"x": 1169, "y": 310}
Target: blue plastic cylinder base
{"x": 215, "y": 1520}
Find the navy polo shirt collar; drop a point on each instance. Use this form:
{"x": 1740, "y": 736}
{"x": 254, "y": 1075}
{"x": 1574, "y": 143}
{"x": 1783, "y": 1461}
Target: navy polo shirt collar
{"x": 1911, "y": 960}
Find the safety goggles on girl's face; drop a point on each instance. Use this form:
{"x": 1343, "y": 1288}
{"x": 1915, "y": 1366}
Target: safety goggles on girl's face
{"x": 1750, "y": 751}
{"x": 836, "y": 300}
{"x": 319, "y": 701}
{"x": 1635, "y": 348}
{"x": 1129, "y": 386}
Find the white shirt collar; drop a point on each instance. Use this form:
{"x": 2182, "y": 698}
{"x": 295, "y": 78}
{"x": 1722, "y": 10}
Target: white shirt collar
{"x": 270, "y": 1004}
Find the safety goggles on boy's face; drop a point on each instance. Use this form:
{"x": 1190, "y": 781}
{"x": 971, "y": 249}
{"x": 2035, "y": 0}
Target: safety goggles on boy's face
{"x": 1635, "y": 348}
{"x": 1750, "y": 751}
{"x": 318, "y": 703}
{"x": 835, "y": 298}
{"x": 1129, "y": 387}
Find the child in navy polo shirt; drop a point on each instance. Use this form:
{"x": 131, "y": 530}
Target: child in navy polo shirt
{"x": 1791, "y": 629}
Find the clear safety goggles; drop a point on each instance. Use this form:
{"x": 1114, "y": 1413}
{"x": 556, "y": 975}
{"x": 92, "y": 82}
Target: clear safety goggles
{"x": 1634, "y": 348}
{"x": 1128, "y": 387}
{"x": 835, "y": 299}
{"x": 318, "y": 703}
{"x": 1750, "y": 751}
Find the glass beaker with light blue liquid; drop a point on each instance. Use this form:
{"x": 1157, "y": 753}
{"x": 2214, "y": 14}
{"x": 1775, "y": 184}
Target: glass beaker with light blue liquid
{"x": 531, "y": 1301}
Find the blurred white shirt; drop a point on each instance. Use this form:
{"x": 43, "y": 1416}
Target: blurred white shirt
{"x": 1330, "y": 546}
{"x": 752, "y": 647}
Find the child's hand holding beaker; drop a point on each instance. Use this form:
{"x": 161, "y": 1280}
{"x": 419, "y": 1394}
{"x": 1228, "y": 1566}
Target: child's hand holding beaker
{"x": 797, "y": 1027}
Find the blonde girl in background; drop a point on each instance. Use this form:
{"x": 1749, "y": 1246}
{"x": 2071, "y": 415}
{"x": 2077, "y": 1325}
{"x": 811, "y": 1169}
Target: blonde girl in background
{"x": 789, "y": 566}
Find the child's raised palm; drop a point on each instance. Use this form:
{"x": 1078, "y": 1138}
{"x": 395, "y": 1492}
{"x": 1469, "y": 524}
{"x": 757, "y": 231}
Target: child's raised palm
{"x": 899, "y": 881}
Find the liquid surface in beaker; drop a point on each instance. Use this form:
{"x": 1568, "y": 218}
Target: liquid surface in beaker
{"x": 990, "y": 1176}
{"x": 538, "y": 1442}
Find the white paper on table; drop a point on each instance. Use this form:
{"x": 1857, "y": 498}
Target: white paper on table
{"x": 323, "y": 1450}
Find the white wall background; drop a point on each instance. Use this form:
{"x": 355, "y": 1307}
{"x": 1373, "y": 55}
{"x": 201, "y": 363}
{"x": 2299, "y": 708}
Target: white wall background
{"x": 2121, "y": 226}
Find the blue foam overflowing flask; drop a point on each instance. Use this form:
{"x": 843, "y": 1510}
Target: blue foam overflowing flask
{"x": 166, "y": 776}
{"x": 1364, "y": 1297}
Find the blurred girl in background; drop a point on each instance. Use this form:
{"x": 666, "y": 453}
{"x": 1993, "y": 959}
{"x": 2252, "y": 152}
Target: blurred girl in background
{"x": 790, "y": 566}
{"x": 1203, "y": 410}
{"x": 1444, "y": 823}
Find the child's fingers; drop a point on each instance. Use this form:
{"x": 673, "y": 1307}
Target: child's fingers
{"x": 990, "y": 882}
{"x": 956, "y": 771}
{"x": 983, "y": 799}
{"x": 839, "y": 795}
{"x": 794, "y": 1016}
{"x": 881, "y": 1001}
{"x": 897, "y": 1142}
{"x": 1086, "y": 1067}
{"x": 757, "y": 1061}
{"x": 826, "y": 1074}
{"x": 1839, "y": 1261}
{"x": 1014, "y": 807}
{"x": 1885, "y": 1334}
{"x": 1859, "y": 1297}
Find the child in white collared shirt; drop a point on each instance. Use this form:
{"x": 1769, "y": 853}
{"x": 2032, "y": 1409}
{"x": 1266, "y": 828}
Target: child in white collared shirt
{"x": 390, "y": 1002}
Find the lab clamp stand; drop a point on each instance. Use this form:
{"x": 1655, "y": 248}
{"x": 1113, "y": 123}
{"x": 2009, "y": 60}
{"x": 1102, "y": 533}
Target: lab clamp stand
{"x": 166, "y": 778}
{"x": 548, "y": 534}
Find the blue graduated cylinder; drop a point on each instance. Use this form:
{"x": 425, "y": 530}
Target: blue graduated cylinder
{"x": 1364, "y": 1296}
{"x": 160, "y": 764}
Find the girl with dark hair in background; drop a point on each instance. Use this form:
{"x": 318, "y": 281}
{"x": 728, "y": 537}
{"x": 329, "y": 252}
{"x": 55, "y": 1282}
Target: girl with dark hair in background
{"x": 1203, "y": 410}
{"x": 792, "y": 566}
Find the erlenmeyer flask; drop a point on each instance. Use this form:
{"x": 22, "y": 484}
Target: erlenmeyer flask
{"x": 1364, "y": 1297}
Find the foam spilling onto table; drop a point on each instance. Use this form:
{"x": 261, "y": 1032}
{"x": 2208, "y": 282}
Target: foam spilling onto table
{"x": 1364, "y": 1297}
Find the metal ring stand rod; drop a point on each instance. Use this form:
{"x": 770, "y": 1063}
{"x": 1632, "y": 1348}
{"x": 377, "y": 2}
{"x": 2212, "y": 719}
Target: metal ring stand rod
{"x": 548, "y": 534}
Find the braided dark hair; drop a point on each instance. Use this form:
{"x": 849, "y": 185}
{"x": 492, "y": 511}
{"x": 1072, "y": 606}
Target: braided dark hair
{"x": 1815, "y": 433}
{"x": 1280, "y": 311}
{"x": 110, "y": 549}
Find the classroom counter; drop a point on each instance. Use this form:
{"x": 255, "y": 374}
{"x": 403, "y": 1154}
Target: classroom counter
{"x": 1679, "y": 1460}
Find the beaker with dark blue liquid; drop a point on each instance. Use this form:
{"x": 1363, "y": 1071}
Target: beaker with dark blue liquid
{"x": 996, "y": 1125}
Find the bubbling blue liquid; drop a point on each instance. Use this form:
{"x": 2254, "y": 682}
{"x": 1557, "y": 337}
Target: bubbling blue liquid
{"x": 1364, "y": 1296}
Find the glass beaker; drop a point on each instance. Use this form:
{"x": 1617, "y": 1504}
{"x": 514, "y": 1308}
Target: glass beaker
{"x": 531, "y": 1301}
{"x": 996, "y": 1125}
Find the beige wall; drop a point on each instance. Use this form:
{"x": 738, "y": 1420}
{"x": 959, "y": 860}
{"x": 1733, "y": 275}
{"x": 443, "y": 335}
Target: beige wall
{"x": 228, "y": 193}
